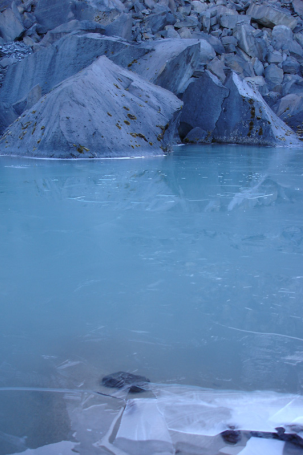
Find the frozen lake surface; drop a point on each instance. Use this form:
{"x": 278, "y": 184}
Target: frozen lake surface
{"x": 186, "y": 269}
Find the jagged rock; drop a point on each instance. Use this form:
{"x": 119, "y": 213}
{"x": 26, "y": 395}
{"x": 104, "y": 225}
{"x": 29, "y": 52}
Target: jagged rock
{"x": 198, "y": 6}
{"x": 202, "y": 99}
{"x": 53, "y": 64}
{"x": 50, "y": 14}
{"x": 244, "y": 34}
{"x": 290, "y": 110}
{"x": 291, "y": 66}
{"x": 185, "y": 33}
{"x": 238, "y": 65}
{"x": 170, "y": 62}
{"x": 292, "y": 83}
{"x": 258, "y": 67}
{"x": 212, "y": 40}
{"x": 28, "y": 20}
{"x": 156, "y": 21}
{"x": 273, "y": 76}
{"x": 298, "y": 7}
{"x": 246, "y": 119}
{"x": 121, "y": 26}
{"x": 269, "y": 16}
{"x": 217, "y": 67}
{"x": 281, "y": 37}
{"x": 103, "y": 110}
{"x": 274, "y": 57}
{"x": 11, "y": 26}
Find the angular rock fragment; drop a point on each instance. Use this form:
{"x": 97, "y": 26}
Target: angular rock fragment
{"x": 11, "y": 26}
{"x": 273, "y": 76}
{"x": 102, "y": 111}
{"x": 203, "y": 100}
{"x": 269, "y": 16}
{"x": 170, "y": 63}
{"x": 246, "y": 119}
{"x": 290, "y": 110}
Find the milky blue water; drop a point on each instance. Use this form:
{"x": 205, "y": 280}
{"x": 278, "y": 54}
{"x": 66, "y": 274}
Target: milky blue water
{"x": 186, "y": 269}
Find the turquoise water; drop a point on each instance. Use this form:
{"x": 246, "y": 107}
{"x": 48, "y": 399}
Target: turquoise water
{"x": 186, "y": 269}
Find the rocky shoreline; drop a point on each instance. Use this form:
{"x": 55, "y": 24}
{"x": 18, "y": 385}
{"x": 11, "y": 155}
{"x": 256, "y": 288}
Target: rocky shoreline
{"x": 105, "y": 77}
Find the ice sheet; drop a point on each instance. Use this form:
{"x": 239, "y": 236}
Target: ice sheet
{"x": 60, "y": 448}
{"x": 257, "y": 446}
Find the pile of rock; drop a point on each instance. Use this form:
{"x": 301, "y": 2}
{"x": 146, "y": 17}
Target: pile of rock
{"x": 227, "y": 60}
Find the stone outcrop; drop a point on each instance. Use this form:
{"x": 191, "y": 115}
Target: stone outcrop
{"x": 102, "y": 111}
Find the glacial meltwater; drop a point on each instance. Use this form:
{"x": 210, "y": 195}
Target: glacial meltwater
{"x": 186, "y": 269}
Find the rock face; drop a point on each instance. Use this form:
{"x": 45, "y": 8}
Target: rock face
{"x": 102, "y": 111}
{"x": 203, "y": 101}
{"x": 246, "y": 119}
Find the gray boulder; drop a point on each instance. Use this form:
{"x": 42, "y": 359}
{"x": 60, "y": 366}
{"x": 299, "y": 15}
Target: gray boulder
{"x": 203, "y": 100}
{"x": 246, "y": 119}
{"x": 246, "y": 40}
{"x": 281, "y": 37}
{"x": 170, "y": 63}
{"x": 269, "y": 15}
{"x": 290, "y": 110}
{"x": 292, "y": 83}
{"x": 218, "y": 68}
{"x": 291, "y": 66}
{"x": 53, "y": 64}
{"x": 102, "y": 111}
{"x": 238, "y": 64}
{"x": 11, "y": 26}
{"x": 273, "y": 76}
{"x": 258, "y": 67}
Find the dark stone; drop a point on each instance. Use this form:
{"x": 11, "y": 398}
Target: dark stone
{"x": 203, "y": 100}
{"x": 231, "y": 436}
{"x": 122, "y": 379}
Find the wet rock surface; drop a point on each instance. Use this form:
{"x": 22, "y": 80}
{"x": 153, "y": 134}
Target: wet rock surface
{"x": 170, "y": 43}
